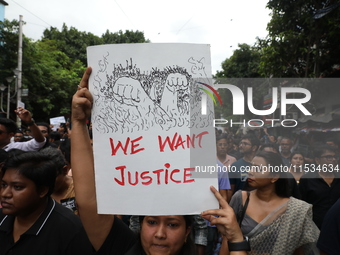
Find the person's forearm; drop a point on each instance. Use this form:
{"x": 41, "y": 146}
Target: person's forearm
{"x": 36, "y": 133}
{"x": 82, "y": 163}
{"x": 97, "y": 226}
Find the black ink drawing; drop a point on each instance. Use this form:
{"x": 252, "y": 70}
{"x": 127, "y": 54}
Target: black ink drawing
{"x": 128, "y": 99}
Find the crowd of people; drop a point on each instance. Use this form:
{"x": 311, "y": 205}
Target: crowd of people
{"x": 273, "y": 199}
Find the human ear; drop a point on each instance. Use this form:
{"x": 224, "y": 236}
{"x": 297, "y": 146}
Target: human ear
{"x": 187, "y": 232}
{"x": 43, "y": 191}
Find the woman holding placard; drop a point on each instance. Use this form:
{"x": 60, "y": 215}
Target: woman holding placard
{"x": 274, "y": 222}
{"x": 108, "y": 235}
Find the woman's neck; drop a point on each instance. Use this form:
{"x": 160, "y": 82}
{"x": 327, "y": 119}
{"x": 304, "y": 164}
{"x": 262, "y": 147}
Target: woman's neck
{"x": 266, "y": 193}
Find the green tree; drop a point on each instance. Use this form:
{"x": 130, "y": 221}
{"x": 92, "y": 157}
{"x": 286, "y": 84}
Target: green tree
{"x": 237, "y": 70}
{"x": 53, "y": 66}
{"x": 51, "y": 77}
{"x": 9, "y": 47}
{"x": 300, "y": 44}
{"x": 74, "y": 42}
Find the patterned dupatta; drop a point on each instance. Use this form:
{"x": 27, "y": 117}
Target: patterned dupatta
{"x": 285, "y": 229}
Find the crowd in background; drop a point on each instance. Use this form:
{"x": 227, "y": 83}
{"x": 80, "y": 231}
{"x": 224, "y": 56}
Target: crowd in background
{"x": 281, "y": 212}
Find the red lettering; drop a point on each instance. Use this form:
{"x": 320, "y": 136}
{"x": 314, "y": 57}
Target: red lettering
{"x": 167, "y": 141}
{"x": 119, "y": 145}
{"x": 166, "y": 176}
{"x": 147, "y": 178}
{"x": 129, "y": 178}
{"x": 179, "y": 143}
{"x": 133, "y": 145}
{"x": 172, "y": 174}
{"x": 186, "y": 174}
{"x": 158, "y": 173}
{"x": 121, "y": 168}
{"x": 143, "y": 177}
{"x": 191, "y": 141}
{"x": 200, "y": 137}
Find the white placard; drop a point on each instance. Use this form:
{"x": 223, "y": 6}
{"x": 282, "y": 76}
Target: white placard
{"x": 56, "y": 121}
{"x": 149, "y": 132}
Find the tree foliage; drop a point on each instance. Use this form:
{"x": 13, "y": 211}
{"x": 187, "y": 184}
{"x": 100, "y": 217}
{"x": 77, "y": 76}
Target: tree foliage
{"x": 73, "y": 42}
{"x": 238, "y": 70}
{"x": 52, "y": 66}
{"x": 298, "y": 43}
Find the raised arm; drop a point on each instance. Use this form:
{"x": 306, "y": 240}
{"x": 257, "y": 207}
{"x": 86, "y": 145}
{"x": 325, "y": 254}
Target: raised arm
{"x": 97, "y": 226}
{"x": 26, "y": 117}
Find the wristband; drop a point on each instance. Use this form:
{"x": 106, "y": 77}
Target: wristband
{"x": 31, "y": 123}
{"x": 240, "y": 246}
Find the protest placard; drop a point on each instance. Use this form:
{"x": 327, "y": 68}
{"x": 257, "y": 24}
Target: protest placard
{"x": 56, "y": 121}
{"x": 149, "y": 132}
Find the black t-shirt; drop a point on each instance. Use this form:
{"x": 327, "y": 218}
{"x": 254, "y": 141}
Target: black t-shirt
{"x": 314, "y": 190}
{"x": 121, "y": 240}
{"x": 329, "y": 240}
{"x": 56, "y": 232}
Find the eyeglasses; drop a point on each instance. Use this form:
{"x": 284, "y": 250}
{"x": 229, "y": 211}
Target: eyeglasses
{"x": 330, "y": 157}
{"x": 245, "y": 144}
{"x": 222, "y": 144}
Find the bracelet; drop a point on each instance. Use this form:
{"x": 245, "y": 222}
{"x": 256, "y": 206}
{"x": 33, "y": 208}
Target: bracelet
{"x": 31, "y": 123}
{"x": 240, "y": 246}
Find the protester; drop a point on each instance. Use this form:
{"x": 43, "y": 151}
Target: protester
{"x": 198, "y": 231}
{"x": 8, "y": 128}
{"x": 63, "y": 189}
{"x": 297, "y": 161}
{"x": 108, "y": 235}
{"x": 286, "y": 145}
{"x": 18, "y": 136}
{"x": 269, "y": 147}
{"x": 321, "y": 188}
{"x": 274, "y": 222}
{"x": 30, "y": 221}
{"x": 248, "y": 146}
{"x": 44, "y": 129}
{"x": 329, "y": 240}
{"x": 224, "y": 160}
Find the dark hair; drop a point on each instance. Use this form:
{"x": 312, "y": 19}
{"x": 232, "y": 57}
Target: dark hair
{"x": 19, "y": 131}
{"x": 44, "y": 124}
{"x": 55, "y": 135}
{"x": 269, "y": 145}
{"x": 296, "y": 152}
{"x": 3, "y": 155}
{"x": 189, "y": 247}
{"x": 57, "y": 156}
{"x": 65, "y": 148}
{"x": 253, "y": 140}
{"x": 287, "y": 138}
{"x": 35, "y": 166}
{"x": 331, "y": 139}
{"x": 10, "y": 125}
{"x": 274, "y": 159}
{"x": 321, "y": 149}
{"x": 222, "y": 136}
